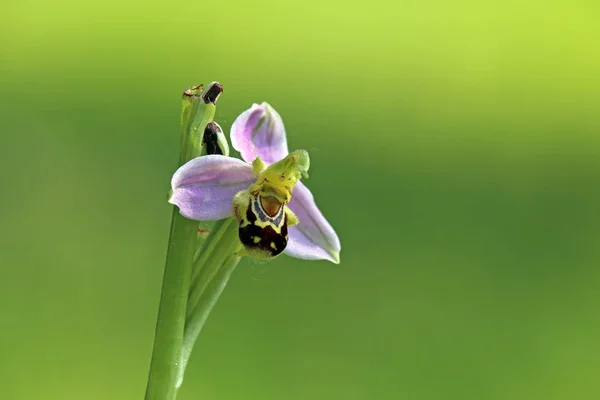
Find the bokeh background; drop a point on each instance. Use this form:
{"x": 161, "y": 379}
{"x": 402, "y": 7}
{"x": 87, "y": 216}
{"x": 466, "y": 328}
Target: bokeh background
{"x": 455, "y": 148}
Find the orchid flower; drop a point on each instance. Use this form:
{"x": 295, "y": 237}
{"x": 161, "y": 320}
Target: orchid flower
{"x": 275, "y": 211}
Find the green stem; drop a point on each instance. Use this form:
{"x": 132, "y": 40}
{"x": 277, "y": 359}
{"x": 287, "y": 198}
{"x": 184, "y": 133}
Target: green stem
{"x": 214, "y": 267}
{"x": 171, "y": 314}
{"x": 214, "y": 253}
{"x": 163, "y": 377}
{"x": 206, "y": 247}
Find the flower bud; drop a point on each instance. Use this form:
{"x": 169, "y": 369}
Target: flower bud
{"x": 212, "y": 93}
{"x": 214, "y": 141}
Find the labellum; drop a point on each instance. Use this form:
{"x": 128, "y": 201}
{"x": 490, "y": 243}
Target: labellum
{"x": 263, "y": 226}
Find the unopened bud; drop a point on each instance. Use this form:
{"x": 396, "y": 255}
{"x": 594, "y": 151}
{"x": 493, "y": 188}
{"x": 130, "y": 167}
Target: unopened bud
{"x": 214, "y": 141}
{"x": 212, "y": 93}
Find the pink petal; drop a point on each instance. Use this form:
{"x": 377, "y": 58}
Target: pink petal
{"x": 313, "y": 238}
{"x": 259, "y": 131}
{"x": 204, "y": 187}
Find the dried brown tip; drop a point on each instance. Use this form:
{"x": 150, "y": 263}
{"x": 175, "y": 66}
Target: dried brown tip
{"x": 194, "y": 91}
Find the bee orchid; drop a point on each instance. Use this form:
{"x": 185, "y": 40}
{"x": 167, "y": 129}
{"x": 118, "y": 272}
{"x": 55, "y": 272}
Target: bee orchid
{"x": 275, "y": 211}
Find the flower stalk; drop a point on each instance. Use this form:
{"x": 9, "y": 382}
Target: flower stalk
{"x": 212, "y": 271}
{"x": 198, "y": 109}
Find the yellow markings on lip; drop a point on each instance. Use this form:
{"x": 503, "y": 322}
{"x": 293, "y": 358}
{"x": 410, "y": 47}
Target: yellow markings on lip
{"x": 264, "y": 224}
{"x": 273, "y": 246}
{"x": 256, "y": 239}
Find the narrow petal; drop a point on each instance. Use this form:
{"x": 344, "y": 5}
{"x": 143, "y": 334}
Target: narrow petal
{"x": 204, "y": 187}
{"x": 259, "y": 131}
{"x": 313, "y": 238}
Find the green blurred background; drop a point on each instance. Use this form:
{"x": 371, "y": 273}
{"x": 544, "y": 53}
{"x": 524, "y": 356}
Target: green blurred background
{"x": 454, "y": 147}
